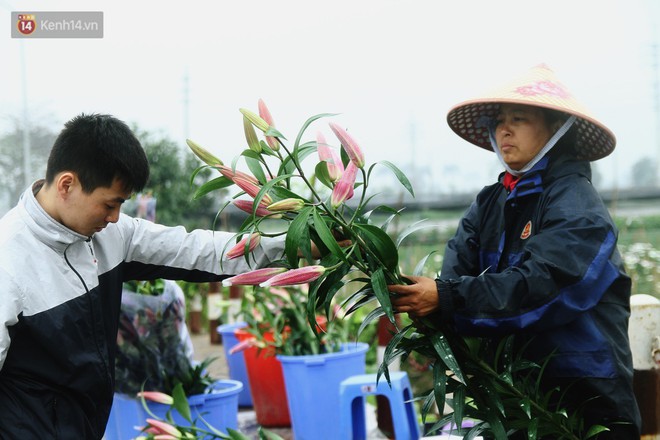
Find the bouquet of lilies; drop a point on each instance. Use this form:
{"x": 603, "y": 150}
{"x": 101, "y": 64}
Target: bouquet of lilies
{"x": 490, "y": 382}
{"x": 314, "y": 223}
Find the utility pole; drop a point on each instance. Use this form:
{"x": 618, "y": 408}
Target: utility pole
{"x": 186, "y": 106}
{"x": 27, "y": 172}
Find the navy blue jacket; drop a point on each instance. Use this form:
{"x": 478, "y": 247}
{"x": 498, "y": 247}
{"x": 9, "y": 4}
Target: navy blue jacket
{"x": 542, "y": 262}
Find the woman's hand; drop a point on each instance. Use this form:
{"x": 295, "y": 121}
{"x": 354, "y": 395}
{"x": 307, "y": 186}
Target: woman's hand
{"x": 418, "y": 299}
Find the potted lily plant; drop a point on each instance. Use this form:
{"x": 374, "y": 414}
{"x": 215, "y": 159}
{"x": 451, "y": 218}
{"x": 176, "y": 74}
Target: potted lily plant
{"x": 491, "y": 383}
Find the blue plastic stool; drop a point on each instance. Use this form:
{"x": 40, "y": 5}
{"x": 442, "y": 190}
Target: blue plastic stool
{"x": 352, "y": 412}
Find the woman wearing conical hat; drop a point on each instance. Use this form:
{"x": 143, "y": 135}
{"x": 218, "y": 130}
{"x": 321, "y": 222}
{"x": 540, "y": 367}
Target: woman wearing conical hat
{"x": 535, "y": 254}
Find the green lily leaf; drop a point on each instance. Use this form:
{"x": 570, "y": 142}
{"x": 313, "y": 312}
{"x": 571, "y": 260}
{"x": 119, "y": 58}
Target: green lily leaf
{"x": 446, "y": 354}
{"x": 459, "y": 405}
{"x": 399, "y": 175}
{"x": 595, "y": 430}
{"x": 298, "y": 237}
{"x": 439, "y": 384}
{"x": 321, "y": 173}
{"x": 307, "y": 124}
{"x": 254, "y": 164}
{"x": 181, "y": 402}
{"x": 380, "y": 290}
{"x": 380, "y": 244}
{"x": 419, "y": 268}
{"x": 374, "y": 314}
{"x": 421, "y": 224}
{"x": 212, "y": 185}
{"x": 326, "y": 236}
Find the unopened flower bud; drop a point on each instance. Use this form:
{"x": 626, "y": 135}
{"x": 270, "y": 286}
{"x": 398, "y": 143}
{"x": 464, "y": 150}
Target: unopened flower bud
{"x": 239, "y": 249}
{"x": 291, "y": 204}
{"x": 203, "y": 154}
{"x": 253, "y": 278}
{"x": 350, "y": 145}
{"x": 255, "y": 119}
{"x": 292, "y": 277}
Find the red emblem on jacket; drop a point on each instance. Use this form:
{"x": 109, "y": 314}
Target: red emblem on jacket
{"x": 527, "y": 231}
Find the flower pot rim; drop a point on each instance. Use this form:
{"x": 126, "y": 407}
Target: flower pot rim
{"x": 346, "y": 349}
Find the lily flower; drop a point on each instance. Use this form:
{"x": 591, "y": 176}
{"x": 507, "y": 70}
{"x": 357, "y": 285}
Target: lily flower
{"x": 291, "y": 204}
{"x": 344, "y": 188}
{"x": 330, "y": 157}
{"x": 248, "y": 206}
{"x": 254, "y": 277}
{"x": 251, "y": 189}
{"x": 239, "y": 249}
{"x": 266, "y": 116}
{"x": 291, "y": 277}
{"x": 164, "y": 428}
{"x": 251, "y": 136}
{"x": 203, "y": 154}
{"x": 156, "y": 396}
{"x": 231, "y": 174}
{"x": 350, "y": 145}
{"x": 256, "y": 120}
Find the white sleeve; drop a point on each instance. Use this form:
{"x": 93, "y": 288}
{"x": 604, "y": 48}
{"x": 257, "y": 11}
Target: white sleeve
{"x": 204, "y": 250}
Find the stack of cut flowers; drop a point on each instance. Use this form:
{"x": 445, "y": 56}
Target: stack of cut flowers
{"x": 491, "y": 383}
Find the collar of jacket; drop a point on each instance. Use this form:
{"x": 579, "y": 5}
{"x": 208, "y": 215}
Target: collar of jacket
{"x": 43, "y": 226}
{"x": 546, "y": 171}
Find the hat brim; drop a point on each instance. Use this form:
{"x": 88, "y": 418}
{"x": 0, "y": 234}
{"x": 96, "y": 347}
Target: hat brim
{"x": 469, "y": 119}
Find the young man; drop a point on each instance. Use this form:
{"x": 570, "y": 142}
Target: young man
{"x": 65, "y": 251}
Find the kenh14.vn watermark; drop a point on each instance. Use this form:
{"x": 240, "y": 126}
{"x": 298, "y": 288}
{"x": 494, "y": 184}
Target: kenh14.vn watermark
{"x": 60, "y": 24}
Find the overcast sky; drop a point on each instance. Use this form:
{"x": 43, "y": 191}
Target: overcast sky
{"x": 391, "y": 69}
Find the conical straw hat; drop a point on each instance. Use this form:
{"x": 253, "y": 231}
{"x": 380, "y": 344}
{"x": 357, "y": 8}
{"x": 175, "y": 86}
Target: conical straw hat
{"x": 539, "y": 87}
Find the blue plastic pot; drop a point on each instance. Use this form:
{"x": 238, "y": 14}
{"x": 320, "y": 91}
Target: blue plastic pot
{"x": 312, "y": 386}
{"x": 236, "y": 361}
{"x": 219, "y": 408}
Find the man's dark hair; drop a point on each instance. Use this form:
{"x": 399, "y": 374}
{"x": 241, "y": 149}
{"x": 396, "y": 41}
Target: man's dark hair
{"x": 99, "y": 148}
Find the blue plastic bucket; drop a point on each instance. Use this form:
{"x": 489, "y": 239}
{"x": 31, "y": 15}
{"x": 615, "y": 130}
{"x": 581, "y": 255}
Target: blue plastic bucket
{"x": 312, "y": 386}
{"x": 125, "y": 416}
{"x": 236, "y": 361}
{"x": 219, "y": 408}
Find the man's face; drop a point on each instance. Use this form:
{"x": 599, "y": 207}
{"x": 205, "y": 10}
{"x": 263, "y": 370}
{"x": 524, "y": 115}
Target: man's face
{"x": 88, "y": 213}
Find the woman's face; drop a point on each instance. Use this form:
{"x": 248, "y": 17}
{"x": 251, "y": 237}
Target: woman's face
{"x": 521, "y": 132}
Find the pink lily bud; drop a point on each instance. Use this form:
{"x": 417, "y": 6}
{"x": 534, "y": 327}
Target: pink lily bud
{"x": 156, "y": 396}
{"x": 266, "y": 116}
{"x": 245, "y": 344}
{"x": 231, "y": 174}
{"x": 203, "y": 154}
{"x": 291, "y": 204}
{"x": 248, "y": 206}
{"x": 254, "y": 277}
{"x": 291, "y": 277}
{"x": 331, "y": 158}
{"x": 256, "y": 120}
{"x": 239, "y": 249}
{"x": 350, "y": 145}
{"x": 252, "y": 189}
{"x": 251, "y": 136}
{"x": 164, "y": 428}
{"x": 344, "y": 188}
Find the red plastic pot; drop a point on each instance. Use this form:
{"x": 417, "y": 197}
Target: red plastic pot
{"x": 266, "y": 383}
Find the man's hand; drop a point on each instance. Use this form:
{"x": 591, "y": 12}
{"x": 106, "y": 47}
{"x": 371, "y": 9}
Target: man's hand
{"x": 418, "y": 299}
